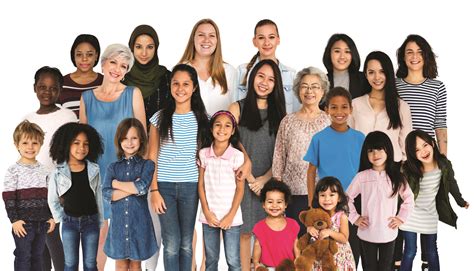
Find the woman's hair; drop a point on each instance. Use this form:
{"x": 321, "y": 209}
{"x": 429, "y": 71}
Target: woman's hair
{"x": 390, "y": 89}
{"x": 412, "y": 166}
{"x": 378, "y": 140}
{"x": 118, "y": 50}
{"x": 310, "y": 71}
{"x": 122, "y": 130}
{"x": 338, "y": 91}
{"x": 250, "y": 117}
{"x": 254, "y": 58}
{"x": 235, "y": 138}
{"x": 165, "y": 120}
{"x": 334, "y": 185}
{"x": 275, "y": 185}
{"x": 28, "y": 130}
{"x": 65, "y": 135}
{"x": 430, "y": 69}
{"x": 216, "y": 65}
{"x": 355, "y": 62}
{"x": 53, "y": 72}
{"x": 87, "y": 38}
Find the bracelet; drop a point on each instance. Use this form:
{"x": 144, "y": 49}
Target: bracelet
{"x": 154, "y": 190}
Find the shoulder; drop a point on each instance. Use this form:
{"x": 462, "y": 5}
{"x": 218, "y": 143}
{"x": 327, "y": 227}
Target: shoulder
{"x": 229, "y": 68}
{"x": 234, "y": 108}
{"x": 285, "y": 68}
{"x": 155, "y": 118}
{"x": 357, "y": 134}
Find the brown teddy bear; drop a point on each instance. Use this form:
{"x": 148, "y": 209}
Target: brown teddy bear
{"x": 312, "y": 249}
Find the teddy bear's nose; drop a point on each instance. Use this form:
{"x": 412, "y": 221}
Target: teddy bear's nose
{"x": 320, "y": 223}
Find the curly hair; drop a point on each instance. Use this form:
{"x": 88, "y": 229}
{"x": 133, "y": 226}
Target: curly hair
{"x": 275, "y": 185}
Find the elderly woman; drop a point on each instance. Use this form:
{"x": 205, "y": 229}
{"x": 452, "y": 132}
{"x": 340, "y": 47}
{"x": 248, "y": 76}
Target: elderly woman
{"x": 105, "y": 107}
{"x": 294, "y": 136}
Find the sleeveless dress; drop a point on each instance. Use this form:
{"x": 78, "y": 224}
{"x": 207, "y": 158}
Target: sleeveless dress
{"x": 259, "y": 146}
{"x": 343, "y": 258}
{"x": 105, "y": 117}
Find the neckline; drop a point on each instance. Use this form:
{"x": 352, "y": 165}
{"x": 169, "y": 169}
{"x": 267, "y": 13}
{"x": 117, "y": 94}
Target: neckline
{"x": 117, "y": 99}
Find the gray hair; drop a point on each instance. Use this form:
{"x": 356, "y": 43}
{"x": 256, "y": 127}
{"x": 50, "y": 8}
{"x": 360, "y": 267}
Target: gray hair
{"x": 310, "y": 71}
{"x": 118, "y": 50}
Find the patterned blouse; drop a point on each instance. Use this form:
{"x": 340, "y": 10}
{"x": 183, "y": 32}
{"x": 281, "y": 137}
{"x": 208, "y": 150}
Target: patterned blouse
{"x": 293, "y": 138}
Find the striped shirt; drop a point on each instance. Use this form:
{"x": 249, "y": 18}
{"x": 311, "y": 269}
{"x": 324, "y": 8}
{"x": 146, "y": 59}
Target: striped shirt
{"x": 70, "y": 95}
{"x": 427, "y": 103}
{"x": 177, "y": 156}
{"x": 219, "y": 181}
{"x": 424, "y": 218}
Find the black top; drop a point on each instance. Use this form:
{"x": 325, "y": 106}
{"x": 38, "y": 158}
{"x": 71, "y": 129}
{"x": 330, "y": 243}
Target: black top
{"x": 79, "y": 200}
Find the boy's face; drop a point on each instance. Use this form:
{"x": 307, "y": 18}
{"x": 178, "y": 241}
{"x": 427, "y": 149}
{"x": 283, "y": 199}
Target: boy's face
{"x": 275, "y": 204}
{"x": 339, "y": 109}
{"x": 28, "y": 148}
{"x": 47, "y": 89}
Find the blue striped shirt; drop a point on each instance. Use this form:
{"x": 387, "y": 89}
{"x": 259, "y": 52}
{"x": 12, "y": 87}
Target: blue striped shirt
{"x": 177, "y": 156}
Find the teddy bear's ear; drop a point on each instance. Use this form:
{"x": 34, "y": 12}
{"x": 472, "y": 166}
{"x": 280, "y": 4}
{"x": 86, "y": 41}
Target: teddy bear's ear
{"x": 302, "y": 216}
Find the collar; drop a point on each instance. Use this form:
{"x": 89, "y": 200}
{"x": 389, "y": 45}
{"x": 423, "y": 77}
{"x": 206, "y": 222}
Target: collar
{"x": 227, "y": 155}
{"x": 134, "y": 158}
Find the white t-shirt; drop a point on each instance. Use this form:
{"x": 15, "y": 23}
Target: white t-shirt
{"x": 212, "y": 96}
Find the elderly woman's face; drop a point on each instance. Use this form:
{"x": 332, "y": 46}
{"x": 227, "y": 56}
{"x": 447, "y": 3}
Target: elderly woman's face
{"x": 115, "y": 68}
{"x": 311, "y": 91}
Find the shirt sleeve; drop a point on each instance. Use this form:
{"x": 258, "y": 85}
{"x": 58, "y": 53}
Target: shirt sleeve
{"x": 154, "y": 119}
{"x": 143, "y": 183}
{"x": 441, "y": 104}
{"x": 238, "y": 160}
{"x": 201, "y": 162}
{"x": 279, "y": 155}
{"x": 107, "y": 189}
{"x": 53, "y": 198}
{"x": 408, "y": 202}
{"x": 9, "y": 194}
{"x": 352, "y": 192}
{"x": 407, "y": 126}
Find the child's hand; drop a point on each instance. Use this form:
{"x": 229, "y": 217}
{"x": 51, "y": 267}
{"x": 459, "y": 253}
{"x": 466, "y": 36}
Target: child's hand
{"x": 52, "y": 224}
{"x": 362, "y": 222}
{"x": 18, "y": 228}
{"x": 466, "y": 205}
{"x": 324, "y": 233}
{"x": 226, "y": 222}
{"x": 312, "y": 231}
{"x": 211, "y": 218}
{"x": 257, "y": 186}
{"x": 157, "y": 203}
{"x": 395, "y": 222}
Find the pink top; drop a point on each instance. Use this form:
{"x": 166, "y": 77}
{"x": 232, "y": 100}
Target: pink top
{"x": 364, "y": 119}
{"x": 219, "y": 181}
{"x": 375, "y": 189}
{"x": 276, "y": 245}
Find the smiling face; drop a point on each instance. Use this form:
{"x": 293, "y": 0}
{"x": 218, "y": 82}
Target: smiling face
{"x": 79, "y": 149}
{"x": 28, "y": 148}
{"x": 47, "y": 90}
{"x": 414, "y": 57}
{"x": 222, "y": 129}
{"x": 114, "y": 69}
{"x": 377, "y": 158}
{"x": 85, "y": 57}
{"x": 264, "y": 81}
{"x": 375, "y": 75}
{"x": 266, "y": 40}
{"x": 182, "y": 87}
{"x": 339, "y": 108}
{"x": 205, "y": 40}
{"x": 341, "y": 56}
{"x": 131, "y": 143}
{"x": 311, "y": 91}
{"x": 275, "y": 204}
{"x": 328, "y": 200}
{"x": 424, "y": 152}
{"x": 144, "y": 49}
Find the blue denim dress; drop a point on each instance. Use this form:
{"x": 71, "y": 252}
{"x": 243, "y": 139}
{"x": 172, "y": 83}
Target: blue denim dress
{"x": 131, "y": 235}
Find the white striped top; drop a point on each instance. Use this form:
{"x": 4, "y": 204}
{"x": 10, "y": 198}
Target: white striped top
{"x": 177, "y": 158}
{"x": 424, "y": 218}
{"x": 427, "y": 103}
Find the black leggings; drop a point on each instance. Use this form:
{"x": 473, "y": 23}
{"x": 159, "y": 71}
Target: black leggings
{"x": 377, "y": 256}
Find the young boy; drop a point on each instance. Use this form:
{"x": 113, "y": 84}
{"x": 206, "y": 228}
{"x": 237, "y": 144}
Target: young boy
{"x": 26, "y": 198}
{"x": 335, "y": 151}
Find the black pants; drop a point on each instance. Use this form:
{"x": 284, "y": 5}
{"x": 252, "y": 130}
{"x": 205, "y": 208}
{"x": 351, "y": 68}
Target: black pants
{"x": 53, "y": 251}
{"x": 377, "y": 256}
{"x": 297, "y": 204}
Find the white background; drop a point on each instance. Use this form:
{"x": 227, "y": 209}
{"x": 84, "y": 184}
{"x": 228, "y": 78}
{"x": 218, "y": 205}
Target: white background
{"x": 41, "y": 33}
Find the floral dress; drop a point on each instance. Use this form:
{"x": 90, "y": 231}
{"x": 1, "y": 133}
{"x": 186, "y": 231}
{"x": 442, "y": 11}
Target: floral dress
{"x": 343, "y": 258}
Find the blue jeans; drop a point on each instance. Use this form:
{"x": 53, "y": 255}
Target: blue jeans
{"x": 212, "y": 237}
{"x": 410, "y": 250}
{"x": 177, "y": 223}
{"x": 29, "y": 249}
{"x": 76, "y": 230}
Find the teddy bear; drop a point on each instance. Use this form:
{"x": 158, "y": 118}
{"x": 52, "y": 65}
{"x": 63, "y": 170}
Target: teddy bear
{"x": 313, "y": 249}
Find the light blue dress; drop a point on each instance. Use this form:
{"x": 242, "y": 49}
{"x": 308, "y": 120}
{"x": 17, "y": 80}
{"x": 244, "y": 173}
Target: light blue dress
{"x": 105, "y": 117}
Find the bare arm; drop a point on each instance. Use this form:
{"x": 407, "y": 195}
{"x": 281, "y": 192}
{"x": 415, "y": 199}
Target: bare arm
{"x": 296, "y": 251}
{"x": 139, "y": 107}
{"x": 257, "y": 253}
{"x": 128, "y": 187}
{"x": 119, "y": 194}
{"x": 157, "y": 203}
{"x": 442, "y": 138}
{"x": 310, "y": 183}
{"x": 245, "y": 170}
{"x": 82, "y": 112}
{"x": 342, "y": 236}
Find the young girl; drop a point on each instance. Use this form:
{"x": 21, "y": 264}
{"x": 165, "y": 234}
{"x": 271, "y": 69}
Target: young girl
{"x": 330, "y": 196}
{"x": 266, "y": 39}
{"x": 176, "y": 133}
{"x": 220, "y": 192}
{"x": 276, "y": 235}
{"x": 431, "y": 177}
{"x": 130, "y": 239}
{"x": 380, "y": 183}
{"x": 74, "y": 193}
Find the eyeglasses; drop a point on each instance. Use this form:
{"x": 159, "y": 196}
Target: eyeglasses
{"x": 312, "y": 87}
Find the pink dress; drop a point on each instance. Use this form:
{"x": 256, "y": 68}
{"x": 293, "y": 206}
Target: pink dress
{"x": 343, "y": 258}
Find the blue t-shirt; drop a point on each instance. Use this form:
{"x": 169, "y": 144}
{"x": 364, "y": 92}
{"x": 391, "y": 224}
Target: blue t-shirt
{"x": 336, "y": 153}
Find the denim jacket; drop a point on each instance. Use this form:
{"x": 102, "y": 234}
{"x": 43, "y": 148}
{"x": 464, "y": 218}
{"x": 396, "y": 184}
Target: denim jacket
{"x": 60, "y": 182}
{"x": 131, "y": 234}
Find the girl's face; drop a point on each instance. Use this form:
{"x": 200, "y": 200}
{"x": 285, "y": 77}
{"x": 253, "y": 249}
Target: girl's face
{"x": 79, "y": 148}
{"x": 424, "y": 151}
{"x": 28, "y": 148}
{"x": 182, "y": 87}
{"x": 377, "y": 158}
{"x": 339, "y": 109}
{"x": 264, "y": 81}
{"x": 310, "y": 92}
{"x": 328, "y": 200}
{"x": 222, "y": 129}
{"x": 205, "y": 40}
{"x": 341, "y": 56}
{"x": 414, "y": 57}
{"x": 131, "y": 143}
{"x": 266, "y": 40}
{"x": 114, "y": 69}
{"x": 47, "y": 89}
{"x": 375, "y": 75}
{"x": 275, "y": 204}
{"x": 144, "y": 49}
{"x": 85, "y": 56}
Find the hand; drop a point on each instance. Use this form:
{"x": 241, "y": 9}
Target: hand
{"x": 157, "y": 203}
{"x": 211, "y": 218}
{"x": 18, "y": 228}
{"x": 395, "y": 222}
{"x": 114, "y": 183}
{"x": 466, "y": 205}
{"x": 324, "y": 233}
{"x": 243, "y": 172}
{"x": 226, "y": 222}
{"x": 362, "y": 222}
{"x": 312, "y": 231}
{"x": 52, "y": 225}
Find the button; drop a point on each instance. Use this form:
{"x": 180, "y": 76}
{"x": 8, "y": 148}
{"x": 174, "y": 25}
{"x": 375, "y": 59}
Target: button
{"x": 128, "y": 173}
{"x": 126, "y": 199}
{"x": 126, "y": 212}
{"x": 126, "y": 226}
{"x": 126, "y": 239}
